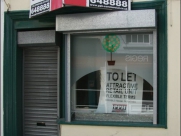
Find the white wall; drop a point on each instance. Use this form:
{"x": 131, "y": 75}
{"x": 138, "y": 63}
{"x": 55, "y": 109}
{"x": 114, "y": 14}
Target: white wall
{"x": 17, "y": 4}
{"x": 173, "y": 67}
{"x": 173, "y": 116}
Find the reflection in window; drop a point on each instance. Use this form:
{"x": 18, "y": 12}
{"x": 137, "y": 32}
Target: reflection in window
{"x": 137, "y": 38}
{"x": 93, "y": 95}
{"x": 88, "y": 90}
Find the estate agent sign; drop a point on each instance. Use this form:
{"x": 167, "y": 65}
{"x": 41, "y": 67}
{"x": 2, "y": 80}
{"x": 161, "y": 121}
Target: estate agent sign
{"x": 38, "y": 7}
{"x": 121, "y": 92}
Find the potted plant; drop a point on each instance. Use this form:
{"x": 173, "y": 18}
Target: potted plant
{"x": 111, "y": 43}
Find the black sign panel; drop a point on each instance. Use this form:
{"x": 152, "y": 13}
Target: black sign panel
{"x": 40, "y": 7}
{"x": 112, "y": 4}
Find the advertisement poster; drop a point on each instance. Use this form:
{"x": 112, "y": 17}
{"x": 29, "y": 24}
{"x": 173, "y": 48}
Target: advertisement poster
{"x": 121, "y": 92}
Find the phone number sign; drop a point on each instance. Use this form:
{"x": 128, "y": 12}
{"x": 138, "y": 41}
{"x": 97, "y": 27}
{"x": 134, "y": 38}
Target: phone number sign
{"x": 112, "y": 4}
{"x": 39, "y": 7}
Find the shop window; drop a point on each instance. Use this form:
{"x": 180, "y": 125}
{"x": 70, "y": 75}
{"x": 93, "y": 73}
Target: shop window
{"x": 110, "y": 82}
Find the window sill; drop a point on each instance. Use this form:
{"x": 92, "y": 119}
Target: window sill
{"x": 103, "y": 123}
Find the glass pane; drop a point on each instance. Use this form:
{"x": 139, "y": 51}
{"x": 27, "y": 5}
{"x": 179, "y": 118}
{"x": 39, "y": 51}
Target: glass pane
{"x": 128, "y": 38}
{"x": 134, "y": 37}
{"x": 140, "y": 38}
{"x": 109, "y": 82}
{"x": 146, "y": 38}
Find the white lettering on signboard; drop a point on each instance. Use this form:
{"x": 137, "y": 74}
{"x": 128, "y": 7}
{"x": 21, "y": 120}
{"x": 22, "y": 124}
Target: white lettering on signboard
{"x": 112, "y": 4}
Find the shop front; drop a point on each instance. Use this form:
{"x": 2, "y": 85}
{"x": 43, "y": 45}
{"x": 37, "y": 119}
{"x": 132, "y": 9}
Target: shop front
{"x": 101, "y": 64}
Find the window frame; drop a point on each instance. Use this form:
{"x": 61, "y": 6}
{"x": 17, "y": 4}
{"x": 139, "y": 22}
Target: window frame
{"x": 68, "y": 116}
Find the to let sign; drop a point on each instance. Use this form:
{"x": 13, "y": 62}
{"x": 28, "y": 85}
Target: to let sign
{"x": 38, "y": 7}
{"x": 111, "y": 4}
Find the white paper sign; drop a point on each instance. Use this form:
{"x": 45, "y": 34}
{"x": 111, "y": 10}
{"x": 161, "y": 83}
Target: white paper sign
{"x": 121, "y": 92}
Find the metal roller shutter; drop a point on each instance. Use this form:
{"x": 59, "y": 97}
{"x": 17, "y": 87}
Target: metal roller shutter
{"x": 40, "y": 91}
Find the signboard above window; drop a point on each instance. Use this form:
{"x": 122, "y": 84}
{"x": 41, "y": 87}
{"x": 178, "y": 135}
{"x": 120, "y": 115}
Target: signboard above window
{"x": 38, "y": 7}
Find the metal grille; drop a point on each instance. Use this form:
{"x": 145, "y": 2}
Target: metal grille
{"x": 40, "y": 91}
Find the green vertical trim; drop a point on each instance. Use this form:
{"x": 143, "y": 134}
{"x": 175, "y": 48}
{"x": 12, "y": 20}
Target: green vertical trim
{"x": 162, "y": 60}
{"x": 12, "y": 81}
{"x": 9, "y": 118}
{"x": 19, "y": 101}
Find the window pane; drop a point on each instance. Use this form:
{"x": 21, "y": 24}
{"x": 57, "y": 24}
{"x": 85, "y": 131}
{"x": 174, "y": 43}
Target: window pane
{"x": 109, "y": 82}
{"x": 146, "y": 38}
{"x": 140, "y": 38}
{"x": 134, "y": 37}
{"x": 128, "y": 38}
